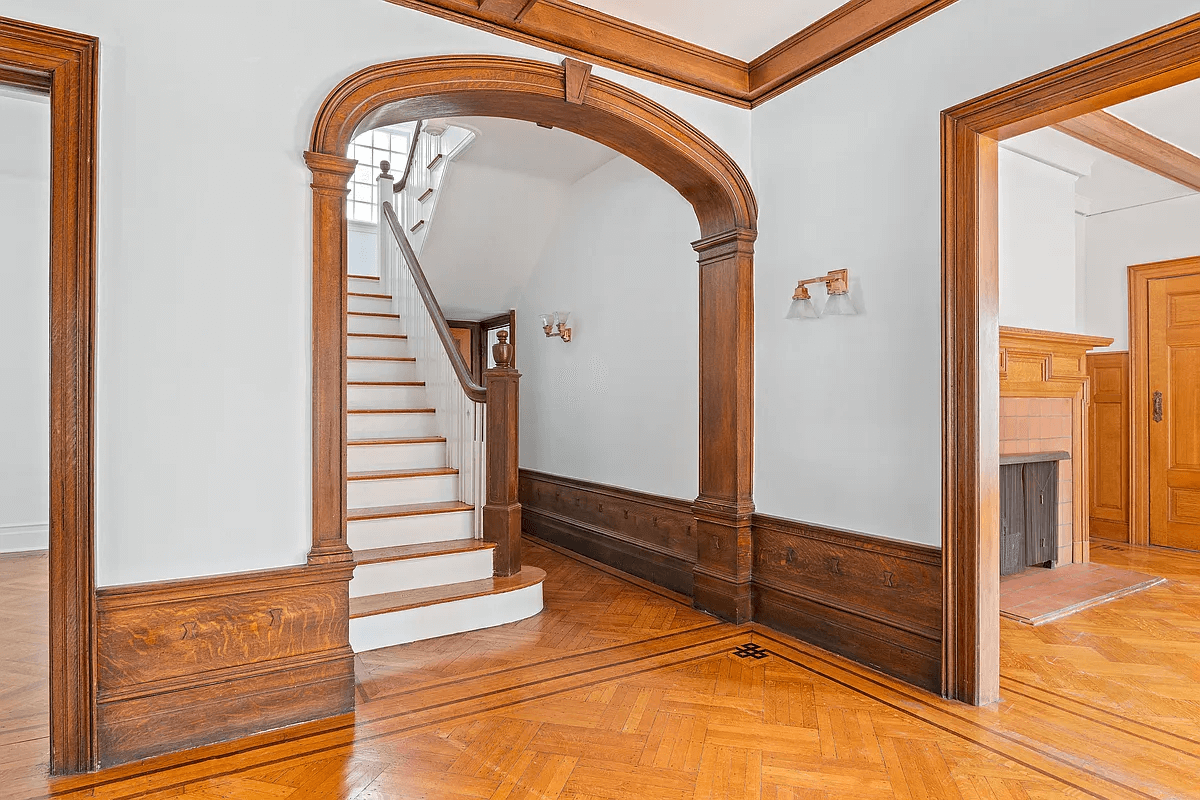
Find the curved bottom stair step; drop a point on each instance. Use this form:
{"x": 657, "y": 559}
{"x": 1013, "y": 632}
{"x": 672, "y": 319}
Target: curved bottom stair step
{"x": 383, "y": 620}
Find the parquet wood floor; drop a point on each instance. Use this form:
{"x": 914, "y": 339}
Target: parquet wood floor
{"x": 619, "y": 692}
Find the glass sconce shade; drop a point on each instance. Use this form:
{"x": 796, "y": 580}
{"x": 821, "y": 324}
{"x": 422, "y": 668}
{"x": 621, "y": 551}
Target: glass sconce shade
{"x": 802, "y": 308}
{"x": 547, "y": 320}
{"x": 561, "y": 317}
{"x": 839, "y": 304}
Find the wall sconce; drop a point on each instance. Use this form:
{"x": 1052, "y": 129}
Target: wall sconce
{"x": 556, "y": 325}
{"x": 837, "y": 286}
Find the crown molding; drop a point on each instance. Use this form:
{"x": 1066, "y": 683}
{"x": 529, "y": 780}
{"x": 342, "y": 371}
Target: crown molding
{"x": 574, "y": 30}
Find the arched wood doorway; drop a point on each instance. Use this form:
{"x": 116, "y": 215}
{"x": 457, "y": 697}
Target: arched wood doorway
{"x": 630, "y": 124}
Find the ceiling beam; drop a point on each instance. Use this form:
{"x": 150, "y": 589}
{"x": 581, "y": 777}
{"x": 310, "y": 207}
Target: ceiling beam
{"x": 1130, "y": 143}
{"x": 575, "y": 30}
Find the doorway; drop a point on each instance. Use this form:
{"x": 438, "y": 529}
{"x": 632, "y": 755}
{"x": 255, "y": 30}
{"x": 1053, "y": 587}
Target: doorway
{"x": 65, "y": 66}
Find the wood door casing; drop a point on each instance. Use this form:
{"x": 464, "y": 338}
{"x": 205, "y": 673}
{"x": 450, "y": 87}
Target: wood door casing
{"x": 1174, "y": 370}
{"x": 1108, "y": 434}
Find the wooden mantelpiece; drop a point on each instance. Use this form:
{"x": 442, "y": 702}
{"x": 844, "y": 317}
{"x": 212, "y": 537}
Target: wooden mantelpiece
{"x": 1045, "y": 364}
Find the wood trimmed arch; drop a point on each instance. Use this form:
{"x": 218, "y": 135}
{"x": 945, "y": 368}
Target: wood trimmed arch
{"x": 633, "y": 125}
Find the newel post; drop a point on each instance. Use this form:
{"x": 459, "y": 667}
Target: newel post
{"x": 385, "y": 183}
{"x": 502, "y": 512}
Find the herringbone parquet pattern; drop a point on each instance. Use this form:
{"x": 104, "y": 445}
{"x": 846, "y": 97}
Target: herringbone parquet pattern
{"x": 618, "y": 692}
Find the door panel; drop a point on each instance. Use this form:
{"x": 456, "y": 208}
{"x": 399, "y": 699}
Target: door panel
{"x": 1108, "y": 454}
{"x": 1174, "y": 336}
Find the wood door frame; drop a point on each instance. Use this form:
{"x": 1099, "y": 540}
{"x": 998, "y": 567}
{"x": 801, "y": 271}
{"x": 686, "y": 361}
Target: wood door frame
{"x": 66, "y": 66}
{"x": 1140, "y": 276}
{"x": 629, "y": 123}
{"x": 970, "y": 330}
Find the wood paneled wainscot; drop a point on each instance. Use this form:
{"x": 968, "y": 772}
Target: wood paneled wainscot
{"x": 1043, "y": 370}
{"x": 193, "y": 662}
{"x": 1108, "y": 436}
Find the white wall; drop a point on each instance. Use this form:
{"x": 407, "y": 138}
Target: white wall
{"x": 1037, "y": 245}
{"x": 847, "y": 171}
{"x": 1117, "y": 240}
{"x": 24, "y": 320}
{"x": 203, "y": 370}
{"x": 619, "y": 403}
{"x": 485, "y": 236}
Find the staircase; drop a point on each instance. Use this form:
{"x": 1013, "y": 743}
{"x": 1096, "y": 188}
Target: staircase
{"x": 416, "y": 456}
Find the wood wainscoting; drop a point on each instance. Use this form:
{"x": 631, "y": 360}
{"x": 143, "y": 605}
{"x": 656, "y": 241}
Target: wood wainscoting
{"x": 1108, "y": 434}
{"x": 192, "y": 662}
{"x": 645, "y": 535}
{"x": 877, "y": 601}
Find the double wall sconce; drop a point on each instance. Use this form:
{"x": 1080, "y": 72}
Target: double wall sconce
{"x": 556, "y": 325}
{"x": 837, "y": 286}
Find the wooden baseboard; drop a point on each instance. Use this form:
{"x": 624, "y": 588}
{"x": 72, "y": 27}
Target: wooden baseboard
{"x": 877, "y": 601}
{"x": 188, "y": 663}
{"x": 1108, "y": 529}
{"x": 644, "y": 535}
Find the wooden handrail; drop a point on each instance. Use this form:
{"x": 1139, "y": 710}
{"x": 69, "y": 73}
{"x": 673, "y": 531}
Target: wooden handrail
{"x": 472, "y": 389}
{"x": 412, "y": 156}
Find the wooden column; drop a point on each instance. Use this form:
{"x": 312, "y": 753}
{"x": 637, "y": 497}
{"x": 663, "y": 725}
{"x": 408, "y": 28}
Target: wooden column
{"x": 502, "y": 512}
{"x": 721, "y": 577}
{"x": 331, "y": 175}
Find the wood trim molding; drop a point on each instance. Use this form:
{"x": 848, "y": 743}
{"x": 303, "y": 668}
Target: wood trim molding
{"x": 67, "y": 66}
{"x": 837, "y": 36}
{"x": 874, "y": 600}
{"x": 629, "y": 123}
{"x": 1108, "y": 441}
{"x": 1130, "y": 143}
{"x": 1140, "y": 276}
{"x": 970, "y": 331}
{"x": 194, "y": 662}
{"x": 575, "y": 30}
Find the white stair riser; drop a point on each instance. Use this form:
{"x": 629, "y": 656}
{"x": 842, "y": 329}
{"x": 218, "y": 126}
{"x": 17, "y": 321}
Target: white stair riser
{"x": 426, "y": 455}
{"x": 369, "y": 534}
{"x": 382, "y": 305}
{"x": 365, "y": 286}
{"x": 391, "y": 426}
{"x": 418, "y": 573}
{"x": 371, "y": 346}
{"x": 386, "y": 397}
{"x": 401, "y": 491}
{"x": 381, "y": 371}
{"x": 360, "y": 324}
{"x": 442, "y": 619}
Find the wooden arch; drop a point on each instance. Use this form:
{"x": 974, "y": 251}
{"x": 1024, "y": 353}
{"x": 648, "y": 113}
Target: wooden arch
{"x": 627, "y": 122}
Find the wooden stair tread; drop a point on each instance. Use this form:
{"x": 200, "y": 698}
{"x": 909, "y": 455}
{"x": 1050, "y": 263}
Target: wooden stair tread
{"x": 373, "y": 604}
{"x": 372, "y": 314}
{"x": 392, "y": 411}
{"x": 378, "y": 335}
{"x": 364, "y": 277}
{"x": 407, "y": 510}
{"x": 385, "y": 383}
{"x": 404, "y": 552}
{"x": 410, "y": 440}
{"x": 382, "y": 358}
{"x": 369, "y": 294}
{"x": 382, "y": 474}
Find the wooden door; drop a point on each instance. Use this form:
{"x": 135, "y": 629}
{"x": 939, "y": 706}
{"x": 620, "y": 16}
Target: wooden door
{"x": 1012, "y": 520}
{"x": 1174, "y": 371}
{"x": 1041, "y": 512}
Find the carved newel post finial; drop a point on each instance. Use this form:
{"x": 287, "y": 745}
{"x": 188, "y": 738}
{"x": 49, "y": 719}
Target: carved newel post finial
{"x": 502, "y": 351}
{"x": 384, "y": 167}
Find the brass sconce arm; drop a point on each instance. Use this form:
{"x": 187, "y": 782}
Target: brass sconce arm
{"x": 836, "y": 282}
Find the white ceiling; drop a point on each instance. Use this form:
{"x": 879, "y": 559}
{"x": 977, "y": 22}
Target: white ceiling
{"x": 744, "y": 30}
{"x": 524, "y": 148}
{"x": 1172, "y": 115}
